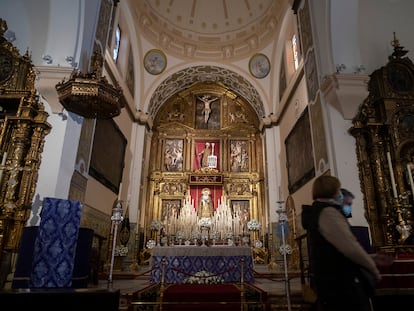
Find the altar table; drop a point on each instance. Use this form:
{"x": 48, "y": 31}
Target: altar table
{"x": 182, "y": 262}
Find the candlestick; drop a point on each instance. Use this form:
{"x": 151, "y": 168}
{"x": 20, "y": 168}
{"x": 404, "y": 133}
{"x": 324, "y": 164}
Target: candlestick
{"x": 394, "y": 186}
{"x": 410, "y": 178}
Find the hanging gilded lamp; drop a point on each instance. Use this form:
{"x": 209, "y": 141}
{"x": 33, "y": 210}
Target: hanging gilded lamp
{"x": 91, "y": 95}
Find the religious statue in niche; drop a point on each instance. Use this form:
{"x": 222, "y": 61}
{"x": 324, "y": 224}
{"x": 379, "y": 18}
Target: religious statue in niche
{"x": 239, "y": 157}
{"x": 207, "y": 112}
{"x": 206, "y": 158}
{"x": 204, "y": 154}
{"x": 173, "y": 155}
{"x": 205, "y": 206}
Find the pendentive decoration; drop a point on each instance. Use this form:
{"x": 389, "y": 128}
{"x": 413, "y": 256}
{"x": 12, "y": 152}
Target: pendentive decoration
{"x": 91, "y": 95}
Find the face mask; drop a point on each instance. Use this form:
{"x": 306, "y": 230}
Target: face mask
{"x": 340, "y": 199}
{"x": 347, "y": 210}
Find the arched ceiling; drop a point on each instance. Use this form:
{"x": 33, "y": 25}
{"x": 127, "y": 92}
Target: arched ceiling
{"x": 187, "y": 77}
{"x": 209, "y": 29}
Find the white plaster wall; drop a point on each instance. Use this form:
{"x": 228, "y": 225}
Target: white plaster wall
{"x": 344, "y": 161}
{"x": 359, "y": 32}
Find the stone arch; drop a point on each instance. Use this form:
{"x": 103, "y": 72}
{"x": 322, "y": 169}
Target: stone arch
{"x": 183, "y": 79}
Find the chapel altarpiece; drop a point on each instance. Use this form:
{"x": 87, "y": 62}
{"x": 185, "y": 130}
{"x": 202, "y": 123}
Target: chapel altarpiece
{"x": 206, "y": 138}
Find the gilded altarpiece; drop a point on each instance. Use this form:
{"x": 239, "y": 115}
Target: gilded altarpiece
{"x": 206, "y": 152}
{"x": 23, "y": 129}
{"x": 384, "y": 133}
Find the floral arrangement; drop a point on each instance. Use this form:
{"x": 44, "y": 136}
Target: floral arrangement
{"x": 121, "y": 250}
{"x": 215, "y": 235}
{"x": 195, "y": 235}
{"x": 156, "y": 225}
{"x": 286, "y": 249}
{"x": 179, "y": 235}
{"x": 204, "y": 277}
{"x": 229, "y": 235}
{"x": 253, "y": 225}
{"x": 205, "y": 222}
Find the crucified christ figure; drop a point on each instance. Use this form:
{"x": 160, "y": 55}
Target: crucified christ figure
{"x": 207, "y": 100}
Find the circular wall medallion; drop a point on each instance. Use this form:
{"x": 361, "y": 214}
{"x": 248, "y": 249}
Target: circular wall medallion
{"x": 155, "y": 61}
{"x": 259, "y": 66}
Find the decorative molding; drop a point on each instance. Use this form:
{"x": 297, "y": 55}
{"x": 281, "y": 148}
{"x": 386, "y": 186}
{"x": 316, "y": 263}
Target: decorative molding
{"x": 185, "y": 78}
{"x": 48, "y": 77}
{"x": 346, "y": 91}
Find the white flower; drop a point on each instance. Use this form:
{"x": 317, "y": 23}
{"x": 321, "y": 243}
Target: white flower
{"x": 253, "y": 225}
{"x": 195, "y": 234}
{"x": 204, "y": 277}
{"x": 285, "y": 249}
{"x": 215, "y": 235}
{"x": 156, "y": 225}
{"x": 121, "y": 250}
{"x": 179, "y": 234}
{"x": 204, "y": 222}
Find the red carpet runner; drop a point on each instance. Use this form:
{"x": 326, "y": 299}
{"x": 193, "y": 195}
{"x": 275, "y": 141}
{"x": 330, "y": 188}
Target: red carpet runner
{"x": 180, "y": 297}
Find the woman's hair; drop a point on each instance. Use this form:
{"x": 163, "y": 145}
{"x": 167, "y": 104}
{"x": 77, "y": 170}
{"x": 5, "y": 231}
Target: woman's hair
{"x": 325, "y": 187}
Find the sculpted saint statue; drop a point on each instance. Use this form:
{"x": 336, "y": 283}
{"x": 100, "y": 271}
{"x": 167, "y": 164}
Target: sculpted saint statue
{"x": 204, "y": 154}
{"x": 205, "y": 207}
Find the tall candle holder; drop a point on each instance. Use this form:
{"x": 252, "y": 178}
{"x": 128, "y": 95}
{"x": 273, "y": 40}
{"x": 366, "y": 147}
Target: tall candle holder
{"x": 116, "y": 219}
{"x": 285, "y": 249}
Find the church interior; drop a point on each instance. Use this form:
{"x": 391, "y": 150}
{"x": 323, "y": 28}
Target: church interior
{"x": 133, "y": 131}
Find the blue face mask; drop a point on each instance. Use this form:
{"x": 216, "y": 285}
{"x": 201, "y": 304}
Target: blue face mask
{"x": 340, "y": 199}
{"x": 347, "y": 210}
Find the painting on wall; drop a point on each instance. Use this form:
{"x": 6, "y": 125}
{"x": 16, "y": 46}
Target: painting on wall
{"x": 299, "y": 154}
{"x": 107, "y": 160}
{"x": 173, "y": 155}
{"x": 239, "y": 156}
{"x": 170, "y": 208}
{"x": 241, "y": 212}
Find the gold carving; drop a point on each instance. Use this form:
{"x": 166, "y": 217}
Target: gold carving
{"x": 90, "y": 95}
{"x": 23, "y": 129}
{"x": 383, "y": 129}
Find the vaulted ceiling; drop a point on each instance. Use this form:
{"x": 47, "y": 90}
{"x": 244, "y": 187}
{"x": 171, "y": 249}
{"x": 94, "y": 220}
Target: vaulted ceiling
{"x": 209, "y": 29}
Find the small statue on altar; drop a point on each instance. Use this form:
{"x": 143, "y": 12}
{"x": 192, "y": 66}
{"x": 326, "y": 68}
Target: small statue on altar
{"x": 205, "y": 207}
{"x": 204, "y": 154}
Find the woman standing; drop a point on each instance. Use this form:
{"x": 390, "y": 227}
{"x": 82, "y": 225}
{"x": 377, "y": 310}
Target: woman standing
{"x": 336, "y": 257}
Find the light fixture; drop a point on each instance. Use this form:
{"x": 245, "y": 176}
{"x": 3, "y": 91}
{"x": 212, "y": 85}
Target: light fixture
{"x": 90, "y": 95}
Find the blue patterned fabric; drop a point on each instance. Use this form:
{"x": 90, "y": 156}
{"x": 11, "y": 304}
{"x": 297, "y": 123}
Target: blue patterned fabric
{"x": 55, "y": 245}
{"x": 179, "y": 268}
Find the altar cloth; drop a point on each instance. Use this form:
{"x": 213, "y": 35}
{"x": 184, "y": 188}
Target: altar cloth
{"x": 182, "y": 262}
{"x": 55, "y": 244}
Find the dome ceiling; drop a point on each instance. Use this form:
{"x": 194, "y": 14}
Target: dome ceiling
{"x": 209, "y": 29}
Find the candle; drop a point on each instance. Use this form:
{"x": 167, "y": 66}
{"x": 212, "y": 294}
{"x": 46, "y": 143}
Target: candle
{"x": 410, "y": 177}
{"x": 394, "y": 186}
{"x": 120, "y": 191}
{"x": 3, "y": 163}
